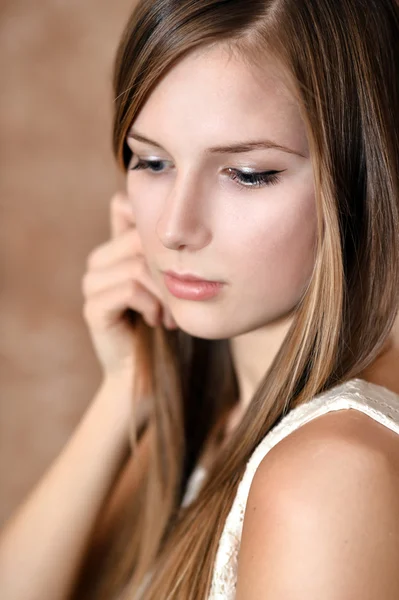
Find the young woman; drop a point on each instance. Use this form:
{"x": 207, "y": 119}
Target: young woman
{"x": 247, "y": 299}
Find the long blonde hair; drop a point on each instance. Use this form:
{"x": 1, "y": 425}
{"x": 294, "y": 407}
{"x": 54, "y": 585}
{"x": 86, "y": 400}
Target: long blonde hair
{"x": 341, "y": 58}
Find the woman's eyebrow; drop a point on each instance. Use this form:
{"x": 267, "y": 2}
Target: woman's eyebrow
{"x": 236, "y": 148}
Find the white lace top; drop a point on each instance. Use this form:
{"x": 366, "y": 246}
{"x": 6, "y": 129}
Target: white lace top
{"x": 373, "y": 400}
{"x": 377, "y": 402}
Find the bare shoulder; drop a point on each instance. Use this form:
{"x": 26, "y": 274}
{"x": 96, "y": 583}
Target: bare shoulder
{"x": 322, "y": 515}
{"x": 344, "y": 430}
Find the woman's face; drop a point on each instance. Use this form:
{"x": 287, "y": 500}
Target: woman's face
{"x": 199, "y": 207}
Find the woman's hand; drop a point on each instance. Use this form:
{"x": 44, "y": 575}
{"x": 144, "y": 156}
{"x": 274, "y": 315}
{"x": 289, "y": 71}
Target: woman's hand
{"x": 117, "y": 279}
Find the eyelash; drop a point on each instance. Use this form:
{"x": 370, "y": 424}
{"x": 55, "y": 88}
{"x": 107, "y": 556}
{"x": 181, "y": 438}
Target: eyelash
{"x": 256, "y": 180}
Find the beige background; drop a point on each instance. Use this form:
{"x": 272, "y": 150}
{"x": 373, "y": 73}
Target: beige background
{"x": 57, "y": 177}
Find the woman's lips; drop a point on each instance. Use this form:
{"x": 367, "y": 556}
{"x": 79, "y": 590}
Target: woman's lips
{"x": 191, "y": 288}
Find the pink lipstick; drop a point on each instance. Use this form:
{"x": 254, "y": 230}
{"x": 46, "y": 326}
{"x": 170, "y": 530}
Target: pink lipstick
{"x": 189, "y": 287}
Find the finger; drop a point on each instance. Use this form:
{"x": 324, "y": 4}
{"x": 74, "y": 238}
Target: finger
{"x": 125, "y": 271}
{"x": 121, "y": 214}
{"x": 128, "y": 244}
{"x": 168, "y": 319}
{"x": 106, "y": 308}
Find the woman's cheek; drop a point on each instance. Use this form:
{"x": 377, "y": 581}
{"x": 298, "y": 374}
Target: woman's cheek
{"x": 281, "y": 249}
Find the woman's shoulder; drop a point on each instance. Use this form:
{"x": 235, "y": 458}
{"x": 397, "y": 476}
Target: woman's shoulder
{"x": 335, "y": 438}
{"x": 330, "y": 491}
{"x": 355, "y": 419}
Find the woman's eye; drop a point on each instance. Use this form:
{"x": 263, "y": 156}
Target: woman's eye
{"x": 155, "y": 166}
{"x": 254, "y": 180}
{"x": 244, "y": 179}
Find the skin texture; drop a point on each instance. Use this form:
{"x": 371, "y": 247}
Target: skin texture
{"x": 193, "y": 217}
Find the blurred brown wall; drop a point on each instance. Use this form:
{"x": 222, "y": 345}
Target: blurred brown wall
{"x": 57, "y": 177}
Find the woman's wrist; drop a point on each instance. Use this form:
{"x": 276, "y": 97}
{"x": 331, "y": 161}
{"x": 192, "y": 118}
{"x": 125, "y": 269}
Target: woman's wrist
{"x": 116, "y": 392}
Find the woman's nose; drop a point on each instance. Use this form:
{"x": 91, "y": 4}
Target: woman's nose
{"x": 183, "y": 220}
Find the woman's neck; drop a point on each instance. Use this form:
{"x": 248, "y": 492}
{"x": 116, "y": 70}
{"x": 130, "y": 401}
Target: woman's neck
{"x": 384, "y": 369}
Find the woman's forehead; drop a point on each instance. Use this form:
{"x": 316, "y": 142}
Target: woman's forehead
{"x": 215, "y": 96}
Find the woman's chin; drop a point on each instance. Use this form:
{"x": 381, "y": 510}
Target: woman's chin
{"x": 206, "y": 332}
